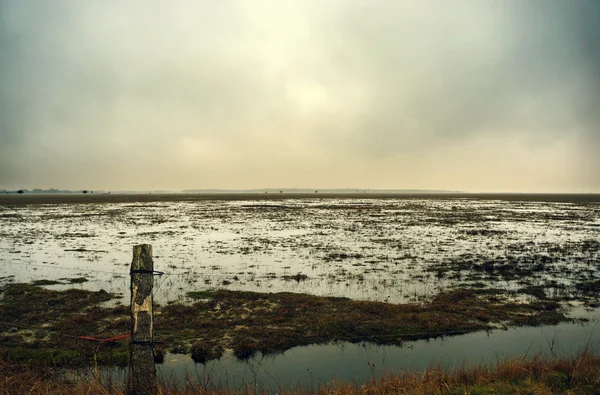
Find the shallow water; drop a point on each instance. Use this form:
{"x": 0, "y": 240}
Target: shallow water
{"x": 310, "y": 366}
{"x": 393, "y": 250}
{"x": 386, "y": 249}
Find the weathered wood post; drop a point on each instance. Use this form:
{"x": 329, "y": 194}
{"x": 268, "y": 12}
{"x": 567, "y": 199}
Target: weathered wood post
{"x": 142, "y": 374}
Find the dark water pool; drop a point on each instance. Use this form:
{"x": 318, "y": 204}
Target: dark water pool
{"x": 310, "y": 366}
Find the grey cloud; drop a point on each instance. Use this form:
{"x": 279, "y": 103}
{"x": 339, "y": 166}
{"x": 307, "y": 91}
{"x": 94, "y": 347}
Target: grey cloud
{"x": 522, "y": 66}
{"x": 343, "y": 81}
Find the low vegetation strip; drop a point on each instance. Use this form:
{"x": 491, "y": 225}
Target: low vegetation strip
{"x": 38, "y": 324}
{"x": 536, "y": 375}
{"x": 77, "y": 198}
{"x": 248, "y": 322}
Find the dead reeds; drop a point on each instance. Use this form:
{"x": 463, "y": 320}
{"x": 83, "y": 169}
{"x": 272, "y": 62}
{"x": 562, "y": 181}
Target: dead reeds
{"x": 532, "y": 375}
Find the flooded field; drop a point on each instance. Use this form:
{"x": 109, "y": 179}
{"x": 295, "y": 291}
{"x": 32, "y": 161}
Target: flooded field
{"x": 392, "y": 250}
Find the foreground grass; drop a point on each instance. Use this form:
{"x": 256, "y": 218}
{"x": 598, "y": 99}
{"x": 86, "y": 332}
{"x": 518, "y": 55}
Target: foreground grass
{"x": 43, "y": 326}
{"x": 536, "y": 375}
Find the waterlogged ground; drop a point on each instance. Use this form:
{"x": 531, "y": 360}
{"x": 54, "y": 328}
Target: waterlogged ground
{"x": 518, "y": 275}
{"x": 392, "y": 250}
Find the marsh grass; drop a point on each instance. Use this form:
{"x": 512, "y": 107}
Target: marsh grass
{"x": 251, "y": 322}
{"x": 40, "y": 325}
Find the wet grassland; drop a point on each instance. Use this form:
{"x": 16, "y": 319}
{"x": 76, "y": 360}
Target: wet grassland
{"x": 266, "y": 275}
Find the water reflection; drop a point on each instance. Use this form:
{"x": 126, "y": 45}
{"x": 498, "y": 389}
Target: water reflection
{"x": 310, "y": 366}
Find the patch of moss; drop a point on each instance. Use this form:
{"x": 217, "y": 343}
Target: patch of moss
{"x": 78, "y": 280}
{"x": 39, "y": 283}
{"x": 199, "y": 294}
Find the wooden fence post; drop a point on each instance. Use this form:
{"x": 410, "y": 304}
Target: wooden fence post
{"x": 142, "y": 373}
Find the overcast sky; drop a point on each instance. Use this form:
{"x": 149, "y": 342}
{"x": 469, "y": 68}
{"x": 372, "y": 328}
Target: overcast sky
{"x": 474, "y": 95}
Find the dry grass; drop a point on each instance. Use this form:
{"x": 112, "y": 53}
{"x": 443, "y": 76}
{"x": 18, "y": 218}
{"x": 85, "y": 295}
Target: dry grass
{"x": 535, "y": 375}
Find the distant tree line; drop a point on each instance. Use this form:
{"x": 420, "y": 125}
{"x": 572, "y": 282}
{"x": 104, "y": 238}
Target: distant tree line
{"x": 39, "y": 190}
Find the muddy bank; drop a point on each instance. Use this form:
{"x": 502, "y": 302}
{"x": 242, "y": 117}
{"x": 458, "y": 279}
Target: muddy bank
{"x": 45, "y": 326}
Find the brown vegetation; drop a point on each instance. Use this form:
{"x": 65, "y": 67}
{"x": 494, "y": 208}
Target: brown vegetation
{"x": 41, "y": 325}
{"x": 536, "y": 375}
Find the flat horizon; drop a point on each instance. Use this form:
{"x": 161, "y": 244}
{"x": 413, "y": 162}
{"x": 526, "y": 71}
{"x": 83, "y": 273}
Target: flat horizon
{"x": 149, "y": 197}
{"x": 283, "y": 190}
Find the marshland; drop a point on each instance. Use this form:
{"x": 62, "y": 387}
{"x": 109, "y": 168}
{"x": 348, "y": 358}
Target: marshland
{"x": 271, "y": 292}
{"x": 338, "y": 197}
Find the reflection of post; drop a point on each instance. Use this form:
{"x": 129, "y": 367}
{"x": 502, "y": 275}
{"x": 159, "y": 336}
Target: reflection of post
{"x": 142, "y": 375}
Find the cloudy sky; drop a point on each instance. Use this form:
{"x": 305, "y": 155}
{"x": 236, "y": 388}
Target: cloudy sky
{"x": 474, "y": 95}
